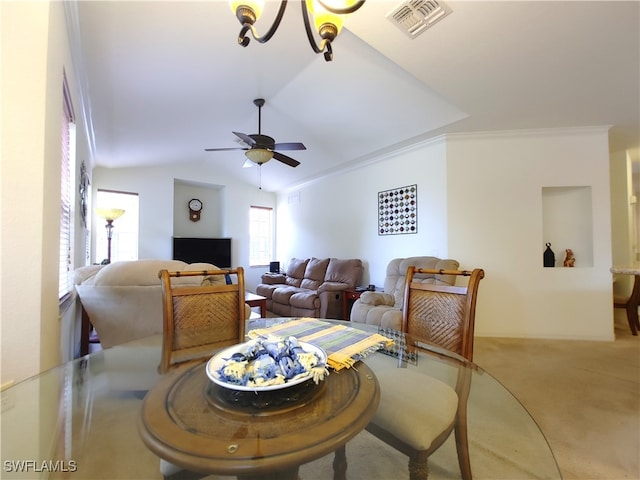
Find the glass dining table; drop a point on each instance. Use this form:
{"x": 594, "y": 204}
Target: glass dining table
{"x": 82, "y": 420}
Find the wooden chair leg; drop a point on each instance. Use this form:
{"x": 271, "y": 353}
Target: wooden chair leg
{"x": 463, "y": 386}
{"x": 419, "y": 466}
{"x": 340, "y": 463}
{"x": 632, "y": 318}
{"x": 462, "y": 447}
{"x": 631, "y": 306}
{"x": 85, "y": 332}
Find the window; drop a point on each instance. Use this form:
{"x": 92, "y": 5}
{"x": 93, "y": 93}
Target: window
{"x": 67, "y": 166}
{"x": 124, "y": 238}
{"x": 260, "y": 236}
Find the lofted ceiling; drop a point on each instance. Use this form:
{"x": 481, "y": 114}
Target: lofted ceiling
{"x": 161, "y": 80}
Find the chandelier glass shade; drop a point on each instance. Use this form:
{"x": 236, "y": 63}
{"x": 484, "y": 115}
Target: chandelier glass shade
{"x": 328, "y": 19}
{"x": 323, "y": 18}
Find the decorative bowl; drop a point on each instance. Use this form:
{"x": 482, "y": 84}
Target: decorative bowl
{"x": 219, "y": 360}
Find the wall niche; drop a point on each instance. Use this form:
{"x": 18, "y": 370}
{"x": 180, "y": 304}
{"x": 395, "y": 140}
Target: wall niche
{"x": 211, "y": 221}
{"x": 567, "y": 223}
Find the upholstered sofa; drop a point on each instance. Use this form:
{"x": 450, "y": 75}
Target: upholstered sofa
{"x": 311, "y": 287}
{"x": 385, "y": 308}
{"x": 123, "y": 300}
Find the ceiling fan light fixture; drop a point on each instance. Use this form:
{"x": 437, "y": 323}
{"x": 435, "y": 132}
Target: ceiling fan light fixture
{"x": 262, "y": 148}
{"x": 259, "y": 155}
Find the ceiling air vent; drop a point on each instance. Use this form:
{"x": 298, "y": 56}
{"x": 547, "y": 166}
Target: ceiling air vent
{"x": 415, "y": 16}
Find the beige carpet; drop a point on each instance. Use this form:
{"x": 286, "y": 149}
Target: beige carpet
{"x": 584, "y": 395}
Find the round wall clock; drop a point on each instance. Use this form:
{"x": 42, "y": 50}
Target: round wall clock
{"x": 195, "y": 207}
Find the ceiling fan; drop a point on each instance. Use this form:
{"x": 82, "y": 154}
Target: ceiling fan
{"x": 262, "y": 148}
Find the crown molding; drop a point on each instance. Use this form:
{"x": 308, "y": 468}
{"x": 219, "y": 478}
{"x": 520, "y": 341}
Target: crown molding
{"x": 424, "y": 141}
{"x": 531, "y": 132}
{"x": 75, "y": 46}
{"x": 368, "y": 159}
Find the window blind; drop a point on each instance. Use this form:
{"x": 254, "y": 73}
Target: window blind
{"x": 65, "y": 279}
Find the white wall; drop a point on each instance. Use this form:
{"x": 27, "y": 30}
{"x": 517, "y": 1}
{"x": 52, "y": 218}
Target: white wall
{"x": 34, "y": 54}
{"x": 338, "y": 216}
{"x": 622, "y": 232}
{"x": 160, "y": 205}
{"x": 480, "y": 202}
{"x": 495, "y": 221}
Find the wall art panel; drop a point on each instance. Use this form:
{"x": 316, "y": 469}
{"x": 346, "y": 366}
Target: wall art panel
{"x": 398, "y": 211}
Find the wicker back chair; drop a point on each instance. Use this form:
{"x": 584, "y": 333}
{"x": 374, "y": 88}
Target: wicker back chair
{"x": 200, "y": 319}
{"x": 445, "y": 316}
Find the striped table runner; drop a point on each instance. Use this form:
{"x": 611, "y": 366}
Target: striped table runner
{"x": 344, "y": 345}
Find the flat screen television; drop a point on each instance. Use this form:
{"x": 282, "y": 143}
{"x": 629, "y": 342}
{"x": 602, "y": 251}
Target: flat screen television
{"x": 209, "y": 250}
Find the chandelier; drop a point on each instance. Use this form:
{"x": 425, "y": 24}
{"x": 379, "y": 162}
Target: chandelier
{"x": 327, "y": 20}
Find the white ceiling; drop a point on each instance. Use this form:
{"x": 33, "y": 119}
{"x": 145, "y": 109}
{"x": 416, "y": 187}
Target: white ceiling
{"x": 161, "y": 81}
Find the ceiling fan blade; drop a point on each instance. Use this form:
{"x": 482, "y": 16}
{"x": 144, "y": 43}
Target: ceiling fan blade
{"x": 245, "y": 138}
{"x": 289, "y": 146}
{"x": 286, "y": 160}
{"x": 224, "y": 149}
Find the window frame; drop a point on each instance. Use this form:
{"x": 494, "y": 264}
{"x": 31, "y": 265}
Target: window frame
{"x": 257, "y": 240}
{"x": 118, "y": 253}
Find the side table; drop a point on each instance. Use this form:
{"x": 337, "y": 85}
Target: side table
{"x": 348, "y": 299}
{"x": 254, "y": 300}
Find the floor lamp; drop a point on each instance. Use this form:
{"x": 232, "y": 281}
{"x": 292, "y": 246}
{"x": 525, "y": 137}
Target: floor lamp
{"x": 109, "y": 214}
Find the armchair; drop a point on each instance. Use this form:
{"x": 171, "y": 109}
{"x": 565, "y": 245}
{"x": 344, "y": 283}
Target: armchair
{"x": 385, "y": 308}
{"x": 123, "y": 300}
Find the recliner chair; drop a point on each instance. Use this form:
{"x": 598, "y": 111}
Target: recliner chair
{"x": 385, "y": 308}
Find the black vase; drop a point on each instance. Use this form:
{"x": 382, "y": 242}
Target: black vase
{"x": 549, "y": 258}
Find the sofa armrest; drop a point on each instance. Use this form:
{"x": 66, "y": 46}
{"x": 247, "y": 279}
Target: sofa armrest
{"x": 86, "y": 274}
{"x": 377, "y": 298}
{"x": 273, "y": 278}
{"x": 333, "y": 287}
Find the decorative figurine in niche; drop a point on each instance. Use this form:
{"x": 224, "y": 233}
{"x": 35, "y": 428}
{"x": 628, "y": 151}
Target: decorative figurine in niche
{"x": 569, "y": 259}
{"x": 549, "y": 258}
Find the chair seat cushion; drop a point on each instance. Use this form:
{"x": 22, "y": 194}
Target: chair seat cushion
{"x": 417, "y": 414}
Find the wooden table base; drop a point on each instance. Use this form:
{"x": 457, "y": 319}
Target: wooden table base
{"x": 191, "y": 422}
